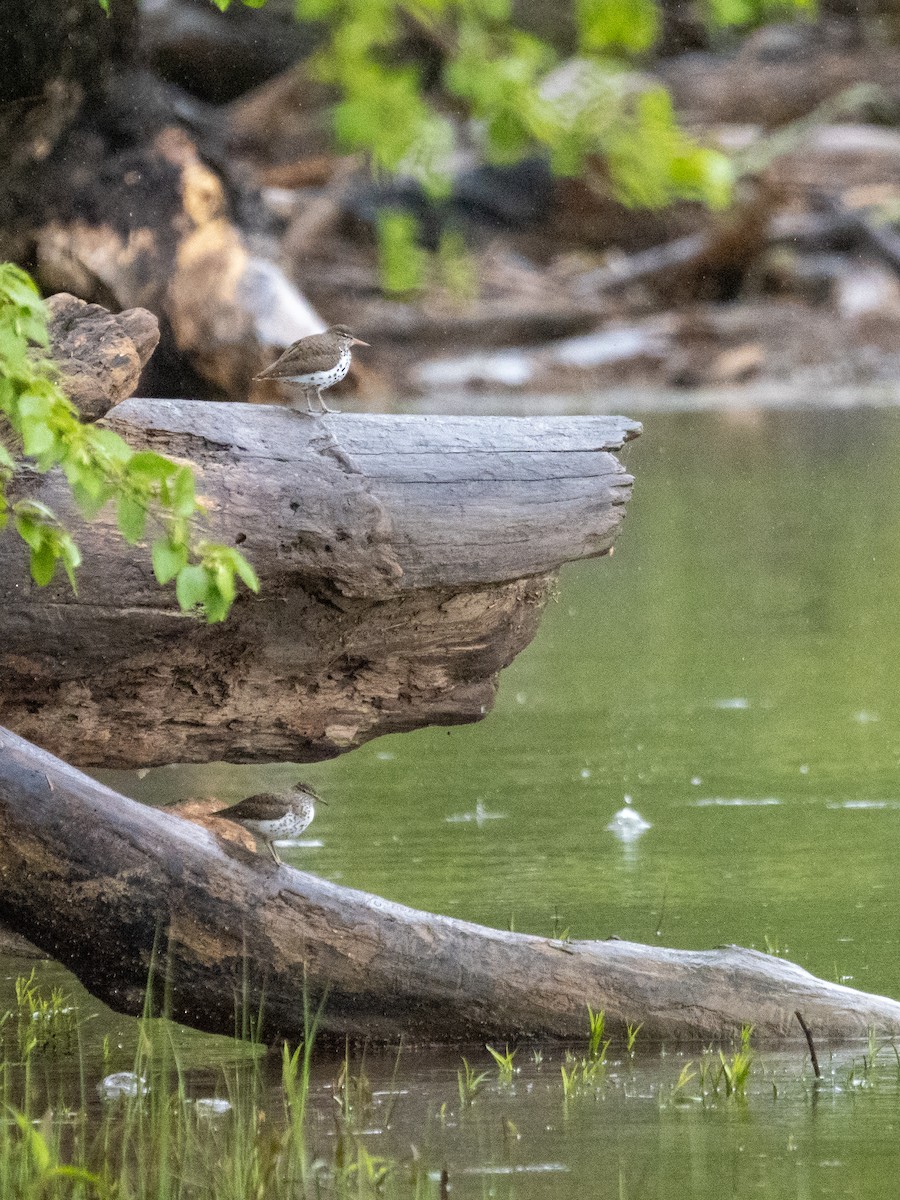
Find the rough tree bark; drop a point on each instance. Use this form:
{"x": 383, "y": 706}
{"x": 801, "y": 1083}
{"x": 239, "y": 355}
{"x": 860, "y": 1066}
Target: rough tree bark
{"x": 95, "y": 879}
{"x": 403, "y": 560}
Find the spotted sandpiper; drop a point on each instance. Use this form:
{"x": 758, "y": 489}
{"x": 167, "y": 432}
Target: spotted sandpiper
{"x": 314, "y": 363}
{"x": 271, "y": 815}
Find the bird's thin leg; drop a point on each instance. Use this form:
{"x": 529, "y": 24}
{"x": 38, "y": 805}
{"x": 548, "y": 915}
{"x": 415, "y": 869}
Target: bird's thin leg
{"x": 325, "y": 408}
{"x": 271, "y": 846}
{"x": 309, "y": 407}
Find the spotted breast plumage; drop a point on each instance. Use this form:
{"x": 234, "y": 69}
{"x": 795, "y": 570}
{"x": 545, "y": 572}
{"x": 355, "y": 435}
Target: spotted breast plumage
{"x": 269, "y": 816}
{"x": 314, "y": 363}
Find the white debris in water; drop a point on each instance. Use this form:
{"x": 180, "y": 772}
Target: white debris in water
{"x": 628, "y": 824}
{"x": 804, "y": 769}
{"x": 609, "y": 346}
{"x": 51, "y": 1014}
{"x": 517, "y": 1169}
{"x": 513, "y": 367}
{"x": 865, "y": 718}
{"x": 303, "y": 843}
{"x": 862, "y": 804}
{"x": 735, "y": 802}
{"x": 733, "y": 702}
{"x": 211, "y": 1106}
{"x": 696, "y": 781}
{"x": 122, "y": 1085}
{"x": 479, "y": 816}
{"x": 585, "y": 773}
{"x": 385, "y": 756}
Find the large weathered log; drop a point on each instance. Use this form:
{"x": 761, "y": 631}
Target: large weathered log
{"x": 96, "y": 880}
{"x": 403, "y": 560}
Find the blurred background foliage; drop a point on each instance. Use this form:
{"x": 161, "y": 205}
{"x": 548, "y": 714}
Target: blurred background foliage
{"x": 507, "y": 81}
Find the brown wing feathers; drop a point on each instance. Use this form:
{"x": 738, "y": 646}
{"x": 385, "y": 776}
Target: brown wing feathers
{"x": 263, "y": 807}
{"x": 306, "y": 359}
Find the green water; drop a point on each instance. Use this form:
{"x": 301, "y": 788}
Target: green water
{"x": 734, "y": 671}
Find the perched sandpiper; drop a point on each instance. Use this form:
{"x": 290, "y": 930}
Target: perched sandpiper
{"x": 314, "y": 363}
{"x": 269, "y": 815}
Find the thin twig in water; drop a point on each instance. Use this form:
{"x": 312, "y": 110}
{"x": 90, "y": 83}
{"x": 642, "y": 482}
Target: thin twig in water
{"x": 809, "y": 1041}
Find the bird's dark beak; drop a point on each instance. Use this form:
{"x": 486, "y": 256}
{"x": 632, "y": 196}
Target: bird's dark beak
{"x": 359, "y": 342}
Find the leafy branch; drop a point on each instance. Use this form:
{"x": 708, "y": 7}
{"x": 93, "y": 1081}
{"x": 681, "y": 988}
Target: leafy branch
{"x": 44, "y": 427}
{"x": 504, "y": 80}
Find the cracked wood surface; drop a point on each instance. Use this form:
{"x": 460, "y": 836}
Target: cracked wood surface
{"x": 404, "y": 561}
{"x": 96, "y": 880}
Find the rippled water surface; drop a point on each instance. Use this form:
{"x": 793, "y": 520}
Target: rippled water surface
{"x": 732, "y": 677}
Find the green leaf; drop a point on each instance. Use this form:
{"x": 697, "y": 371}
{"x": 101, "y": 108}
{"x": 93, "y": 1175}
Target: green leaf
{"x": 168, "y": 560}
{"x": 314, "y": 10}
{"x": 17, "y": 287}
{"x": 29, "y": 530}
{"x": 34, "y": 329}
{"x": 110, "y": 444}
{"x": 191, "y": 586}
{"x": 223, "y": 578}
{"x": 494, "y": 10}
{"x": 183, "y": 496}
{"x": 70, "y": 555}
{"x": 43, "y": 562}
{"x": 402, "y": 261}
{"x": 216, "y": 605}
{"x": 37, "y": 436}
{"x": 246, "y": 572}
{"x": 34, "y": 508}
{"x": 36, "y": 1142}
{"x": 36, "y": 404}
{"x": 630, "y": 25}
{"x": 89, "y": 502}
{"x": 131, "y": 514}
{"x": 150, "y": 467}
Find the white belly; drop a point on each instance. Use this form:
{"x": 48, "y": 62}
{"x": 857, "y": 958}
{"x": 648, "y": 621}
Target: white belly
{"x": 324, "y": 379}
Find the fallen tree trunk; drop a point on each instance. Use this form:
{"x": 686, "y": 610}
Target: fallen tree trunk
{"x": 403, "y": 561}
{"x": 97, "y": 880}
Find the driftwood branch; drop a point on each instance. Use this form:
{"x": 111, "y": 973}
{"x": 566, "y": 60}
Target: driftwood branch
{"x": 403, "y": 560}
{"x": 96, "y": 880}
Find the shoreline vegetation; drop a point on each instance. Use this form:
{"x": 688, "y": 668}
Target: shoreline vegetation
{"x": 223, "y": 1119}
